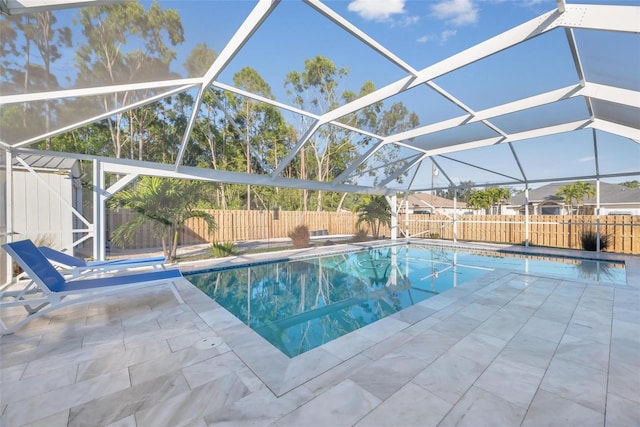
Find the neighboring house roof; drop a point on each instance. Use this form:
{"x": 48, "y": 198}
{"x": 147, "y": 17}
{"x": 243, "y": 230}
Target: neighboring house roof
{"x": 609, "y": 193}
{"x": 424, "y": 200}
{"x": 42, "y": 162}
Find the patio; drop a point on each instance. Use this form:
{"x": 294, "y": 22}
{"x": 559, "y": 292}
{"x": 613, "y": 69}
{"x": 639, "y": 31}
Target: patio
{"x": 507, "y": 349}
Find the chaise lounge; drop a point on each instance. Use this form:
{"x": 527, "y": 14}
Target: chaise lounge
{"x": 48, "y": 290}
{"x": 74, "y": 266}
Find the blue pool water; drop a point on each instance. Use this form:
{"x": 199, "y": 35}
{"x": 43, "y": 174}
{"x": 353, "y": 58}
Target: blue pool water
{"x": 300, "y": 305}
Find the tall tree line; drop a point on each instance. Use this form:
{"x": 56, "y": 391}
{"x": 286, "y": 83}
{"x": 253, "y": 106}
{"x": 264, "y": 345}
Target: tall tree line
{"x": 123, "y": 43}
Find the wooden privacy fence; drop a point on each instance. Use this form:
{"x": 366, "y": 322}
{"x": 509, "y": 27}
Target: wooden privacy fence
{"x": 241, "y": 225}
{"x": 561, "y": 231}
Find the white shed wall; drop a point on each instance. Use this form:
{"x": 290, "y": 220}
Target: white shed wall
{"x": 39, "y": 212}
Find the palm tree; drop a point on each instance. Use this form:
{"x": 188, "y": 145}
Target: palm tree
{"x": 375, "y": 213}
{"x": 583, "y": 190}
{"x": 496, "y": 195}
{"x": 169, "y": 203}
{"x": 479, "y": 199}
{"x": 577, "y": 190}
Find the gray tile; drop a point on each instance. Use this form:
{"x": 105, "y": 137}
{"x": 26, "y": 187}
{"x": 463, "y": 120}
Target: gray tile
{"x": 449, "y": 377}
{"x": 550, "y": 410}
{"x": 337, "y": 374}
{"x": 211, "y": 369}
{"x": 385, "y": 376}
{"x": 621, "y": 412}
{"x": 410, "y": 406}
{"x": 549, "y": 330}
{"x": 427, "y": 346}
{"x": 512, "y": 381}
{"x": 124, "y": 403}
{"x": 258, "y": 409}
{"x": 347, "y": 401}
{"x": 49, "y": 403}
{"x": 58, "y": 419}
{"x": 584, "y": 352}
{"x": 581, "y": 384}
{"x": 529, "y": 350}
{"x": 501, "y": 325}
{"x": 14, "y": 391}
{"x": 388, "y": 345}
{"x": 194, "y": 404}
{"x": 147, "y": 370}
{"x": 478, "y": 408}
{"x": 624, "y": 381}
{"x": 456, "y": 325}
{"x": 479, "y": 347}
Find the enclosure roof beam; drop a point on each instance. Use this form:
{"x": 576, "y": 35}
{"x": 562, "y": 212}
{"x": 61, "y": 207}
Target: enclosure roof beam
{"x": 94, "y": 91}
{"x": 544, "y": 180}
{"x": 535, "y": 133}
{"x": 128, "y": 166}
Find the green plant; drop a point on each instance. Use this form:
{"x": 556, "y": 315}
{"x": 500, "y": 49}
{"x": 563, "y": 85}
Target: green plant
{"x": 167, "y": 203}
{"x": 434, "y": 235}
{"x": 376, "y": 213}
{"x": 360, "y": 236}
{"x": 589, "y": 241}
{"x": 222, "y": 249}
{"x": 300, "y": 237}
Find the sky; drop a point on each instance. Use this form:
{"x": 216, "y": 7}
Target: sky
{"x": 421, "y": 33}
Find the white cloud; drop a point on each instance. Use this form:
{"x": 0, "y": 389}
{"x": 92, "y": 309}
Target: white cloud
{"x": 586, "y": 159}
{"x": 442, "y": 37}
{"x": 377, "y": 10}
{"x": 426, "y": 38}
{"x": 447, "y": 34}
{"x": 456, "y": 12}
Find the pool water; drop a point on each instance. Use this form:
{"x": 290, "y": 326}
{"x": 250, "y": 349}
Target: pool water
{"x": 300, "y": 305}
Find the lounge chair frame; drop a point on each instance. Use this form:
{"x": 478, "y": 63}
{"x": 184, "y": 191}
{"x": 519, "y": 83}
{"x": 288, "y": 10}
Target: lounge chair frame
{"x": 74, "y": 266}
{"x": 47, "y": 290}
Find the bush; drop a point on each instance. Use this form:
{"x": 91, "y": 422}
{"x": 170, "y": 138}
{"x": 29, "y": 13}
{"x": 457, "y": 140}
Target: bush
{"x": 300, "y": 237}
{"x": 360, "y": 236}
{"x": 222, "y": 249}
{"x": 589, "y": 241}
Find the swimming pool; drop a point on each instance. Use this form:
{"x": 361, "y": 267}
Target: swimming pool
{"x": 299, "y": 305}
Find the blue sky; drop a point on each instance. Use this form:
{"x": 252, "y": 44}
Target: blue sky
{"x": 421, "y": 33}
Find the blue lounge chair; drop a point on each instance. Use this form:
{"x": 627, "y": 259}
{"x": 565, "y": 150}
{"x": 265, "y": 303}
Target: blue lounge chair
{"x": 48, "y": 290}
{"x": 77, "y": 266}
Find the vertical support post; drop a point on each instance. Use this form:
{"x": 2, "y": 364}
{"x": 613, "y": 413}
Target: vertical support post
{"x": 526, "y": 215}
{"x": 406, "y": 214}
{"x": 9, "y": 209}
{"x": 455, "y": 215}
{"x": 598, "y": 214}
{"x": 99, "y": 211}
{"x": 394, "y": 217}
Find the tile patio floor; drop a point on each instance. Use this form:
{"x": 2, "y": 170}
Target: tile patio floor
{"x": 507, "y": 349}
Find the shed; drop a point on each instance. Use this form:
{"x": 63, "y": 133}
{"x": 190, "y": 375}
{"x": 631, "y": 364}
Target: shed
{"x": 44, "y": 199}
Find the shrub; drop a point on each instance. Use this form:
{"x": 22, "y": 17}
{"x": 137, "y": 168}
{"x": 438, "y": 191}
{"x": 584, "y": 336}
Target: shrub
{"x": 589, "y": 241}
{"x": 434, "y": 235}
{"x": 360, "y": 236}
{"x": 222, "y": 249}
{"x": 300, "y": 237}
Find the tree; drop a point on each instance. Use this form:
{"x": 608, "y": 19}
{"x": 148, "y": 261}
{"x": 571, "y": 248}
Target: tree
{"x": 104, "y": 60}
{"x": 631, "y": 184}
{"x": 576, "y": 191}
{"x": 326, "y": 154}
{"x": 169, "y": 203}
{"x": 479, "y": 199}
{"x": 496, "y": 195}
{"x": 375, "y": 212}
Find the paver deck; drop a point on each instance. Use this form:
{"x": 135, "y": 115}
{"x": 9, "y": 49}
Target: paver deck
{"x": 507, "y": 349}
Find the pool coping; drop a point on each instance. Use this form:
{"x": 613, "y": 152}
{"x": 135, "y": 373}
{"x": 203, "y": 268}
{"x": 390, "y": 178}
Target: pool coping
{"x": 282, "y": 374}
